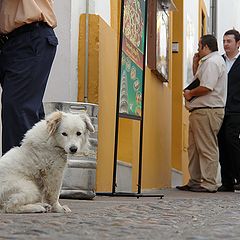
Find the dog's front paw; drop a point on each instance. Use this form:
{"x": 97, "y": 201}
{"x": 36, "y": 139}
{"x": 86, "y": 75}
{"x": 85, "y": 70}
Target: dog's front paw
{"x": 47, "y": 207}
{"x": 66, "y": 209}
{"x": 60, "y": 209}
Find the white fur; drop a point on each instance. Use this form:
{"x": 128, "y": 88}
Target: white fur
{"x": 31, "y": 175}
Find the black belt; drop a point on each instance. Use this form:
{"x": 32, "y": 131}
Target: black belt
{"x": 25, "y": 28}
{"x": 197, "y": 108}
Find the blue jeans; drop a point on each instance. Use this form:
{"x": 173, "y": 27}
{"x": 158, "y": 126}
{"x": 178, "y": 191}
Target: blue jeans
{"x": 25, "y": 63}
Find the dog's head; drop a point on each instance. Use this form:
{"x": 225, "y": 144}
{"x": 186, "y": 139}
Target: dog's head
{"x": 70, "y": 131}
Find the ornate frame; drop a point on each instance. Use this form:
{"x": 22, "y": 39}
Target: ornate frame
{"x": 158, "y": 39}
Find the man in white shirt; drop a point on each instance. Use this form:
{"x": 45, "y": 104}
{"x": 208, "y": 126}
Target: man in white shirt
{"x": 206, "y": 116}
{"x": 229, "y": 134}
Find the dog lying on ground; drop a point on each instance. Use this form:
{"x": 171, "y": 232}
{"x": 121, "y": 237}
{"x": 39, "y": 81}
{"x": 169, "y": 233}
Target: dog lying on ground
{"x": 31, "y": 175}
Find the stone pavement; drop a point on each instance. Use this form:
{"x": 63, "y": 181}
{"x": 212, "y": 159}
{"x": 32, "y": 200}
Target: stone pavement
{"x": 179, "y": 215}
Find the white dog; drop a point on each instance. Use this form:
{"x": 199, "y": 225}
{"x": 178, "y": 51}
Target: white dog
{"x": 31, "y": 175}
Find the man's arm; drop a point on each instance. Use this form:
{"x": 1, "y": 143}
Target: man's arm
{"x": 196, "y": 92}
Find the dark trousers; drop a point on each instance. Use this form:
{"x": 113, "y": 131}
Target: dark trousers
{"x": 229, "y": 149}
{"x": 25, "y": 62}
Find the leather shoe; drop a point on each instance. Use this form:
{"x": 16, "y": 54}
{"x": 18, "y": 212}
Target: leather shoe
{"x": 183, "y": 188}
{"x": 202, "y": 189}
{"x": 237, "y": 187}
{"x": 226, "y": 188}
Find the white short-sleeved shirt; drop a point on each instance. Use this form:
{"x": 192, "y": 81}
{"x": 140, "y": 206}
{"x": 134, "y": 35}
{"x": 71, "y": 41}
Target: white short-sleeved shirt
{"x": 212, "y": 74}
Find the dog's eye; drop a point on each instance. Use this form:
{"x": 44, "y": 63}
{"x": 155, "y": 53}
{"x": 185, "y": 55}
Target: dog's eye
{"x": 78, "y": 133}
{"x": 64, "y": 134}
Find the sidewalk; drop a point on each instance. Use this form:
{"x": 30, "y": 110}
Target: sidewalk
{"x": 179, "y": 215}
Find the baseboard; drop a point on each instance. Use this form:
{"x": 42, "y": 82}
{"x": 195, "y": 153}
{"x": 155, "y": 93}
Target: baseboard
{"x": 177, "y": 177}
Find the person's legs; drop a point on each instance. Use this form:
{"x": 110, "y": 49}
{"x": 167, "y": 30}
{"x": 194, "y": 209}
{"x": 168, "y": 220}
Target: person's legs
{"x": 28, "y": 60}
{"x": 232, "y": 135}
{"x": 194, "y": 165}
{"x": 226, "y": 162}
{"x": 208, "y": 123}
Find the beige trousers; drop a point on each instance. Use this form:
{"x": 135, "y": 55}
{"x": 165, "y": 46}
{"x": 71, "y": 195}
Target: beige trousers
{"x": 204, "y": 125}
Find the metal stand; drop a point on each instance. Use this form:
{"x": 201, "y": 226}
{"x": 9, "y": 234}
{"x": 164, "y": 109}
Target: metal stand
{"x": 140, "y": 118}
{"x": 127, "y": 194}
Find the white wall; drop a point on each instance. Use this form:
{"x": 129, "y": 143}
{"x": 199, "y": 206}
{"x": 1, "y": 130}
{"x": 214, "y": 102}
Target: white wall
{"x": 63, "y": 80}
{"x": 102, "y": 8}
{"x": 62, "y": 84}
{"x": 208, "y": 6}
{"x": 190, "y": 37}
{"x": 227, "y": 18}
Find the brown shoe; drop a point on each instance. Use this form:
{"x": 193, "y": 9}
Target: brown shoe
{"x": 202, "y": 189}
{"x": 183, "y": 188}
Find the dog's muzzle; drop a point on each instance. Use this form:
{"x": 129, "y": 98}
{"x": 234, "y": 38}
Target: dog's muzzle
{"x": 73, "y": 149}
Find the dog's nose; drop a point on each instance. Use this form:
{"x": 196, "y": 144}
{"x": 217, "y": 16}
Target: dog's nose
{"x": 73, "y": 149}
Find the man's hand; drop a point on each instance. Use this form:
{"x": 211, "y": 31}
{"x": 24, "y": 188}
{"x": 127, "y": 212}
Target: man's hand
{"x": 196, "y": 59}
{"x": 187, "y": 94}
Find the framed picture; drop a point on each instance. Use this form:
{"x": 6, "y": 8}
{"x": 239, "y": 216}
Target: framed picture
{"x": 132, "y": 60}
{"x": 158, "y": 39}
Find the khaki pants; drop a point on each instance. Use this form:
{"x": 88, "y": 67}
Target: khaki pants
{"x": 204, "y": 125}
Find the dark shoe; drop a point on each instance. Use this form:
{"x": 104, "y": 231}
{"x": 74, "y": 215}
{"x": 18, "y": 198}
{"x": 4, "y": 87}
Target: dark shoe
{"x": 183, "y": 188}
{"x": 226, "y": 188}
{"x": 237, "y": 187}
{"x": 202, "y": 189}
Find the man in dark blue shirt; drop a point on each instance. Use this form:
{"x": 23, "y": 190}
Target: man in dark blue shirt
{"x": 229, "y": 135}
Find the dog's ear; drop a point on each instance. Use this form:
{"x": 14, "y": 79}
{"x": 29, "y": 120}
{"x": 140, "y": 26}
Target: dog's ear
{"x": 88, "y": 122}
{"x": 53, "y": 122}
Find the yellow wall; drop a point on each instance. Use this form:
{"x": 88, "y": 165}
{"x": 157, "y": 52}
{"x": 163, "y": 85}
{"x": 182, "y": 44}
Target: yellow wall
{"x": 157, "y": 132}
{"x": 126, "y": 140}
{"x": 102, "y": 90}
{"x": 177, "y": 83}
{"x": 93, "y": 59}
{"x": 159, "y": 136}
{"x": 179, "y": 113}
{"x": 107, "y": 104}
